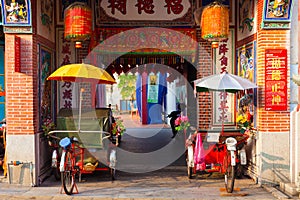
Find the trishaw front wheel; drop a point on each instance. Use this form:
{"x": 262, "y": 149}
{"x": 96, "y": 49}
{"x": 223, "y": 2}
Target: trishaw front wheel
{"x": 229, "y": 173}
{"x": 113, "y": 174}
{"x": 189, "y": 161}
{"x": 68, "y": 175}
{"x": 190, "y": 172}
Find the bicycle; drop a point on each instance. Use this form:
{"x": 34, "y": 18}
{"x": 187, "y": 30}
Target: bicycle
{"x": 230, "y": 163}
{"x": 71, "y": 149}
{"x": 67, "y": 167}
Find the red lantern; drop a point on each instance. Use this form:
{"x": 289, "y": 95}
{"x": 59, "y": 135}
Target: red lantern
{"x": 215, "y": 23}
{"x": 78, "y": 23}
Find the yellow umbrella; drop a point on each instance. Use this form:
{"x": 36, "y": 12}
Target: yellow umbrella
{"x": 82, "y": 73}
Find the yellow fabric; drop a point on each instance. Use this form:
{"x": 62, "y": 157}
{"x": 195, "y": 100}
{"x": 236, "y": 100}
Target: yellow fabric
{"x": 82, "y": 73}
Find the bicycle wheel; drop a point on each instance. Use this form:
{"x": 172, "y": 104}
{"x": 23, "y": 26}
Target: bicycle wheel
{"x": 189, "y": 160}
{"x": 229, "y": 173}
{"x": 113, "y": 174}
{"x": 56, "y": 173}
{"x": 68, "y": 175}
{"x": 189, "y": 169}
{"x": 189, "y": 172}
{"x": 239, "y": 171}
{"x": 55, "y": 165}
{"x": 112, "y": 163}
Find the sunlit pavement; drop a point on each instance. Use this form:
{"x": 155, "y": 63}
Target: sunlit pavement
{"x": 167, "y": 183}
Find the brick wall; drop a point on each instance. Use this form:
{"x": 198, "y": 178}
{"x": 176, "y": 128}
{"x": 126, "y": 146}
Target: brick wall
{"x": 21, "y": 87}
{"x": 270, "y": 121}
{"x": 204, "y": 68}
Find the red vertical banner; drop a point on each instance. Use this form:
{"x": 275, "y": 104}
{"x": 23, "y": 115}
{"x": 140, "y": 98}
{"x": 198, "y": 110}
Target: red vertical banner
{"x": 276, "y": 79}
{"x": 17, "y": 54}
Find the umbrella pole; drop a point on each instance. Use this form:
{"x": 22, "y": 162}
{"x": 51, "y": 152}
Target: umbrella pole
{"x": 80, "y": 103}
{"x": 222, "y": 128}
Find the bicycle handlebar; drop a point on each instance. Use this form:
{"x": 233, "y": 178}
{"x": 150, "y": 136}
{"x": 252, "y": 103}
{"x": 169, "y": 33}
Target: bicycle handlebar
{"x": 50, "y": 134}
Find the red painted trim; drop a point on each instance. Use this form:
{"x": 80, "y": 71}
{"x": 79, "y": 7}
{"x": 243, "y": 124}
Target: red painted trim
{"x": 17, "y": 54}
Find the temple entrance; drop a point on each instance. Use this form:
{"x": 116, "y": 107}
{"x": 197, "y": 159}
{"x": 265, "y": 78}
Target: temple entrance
{"x": 163, "y": 61}
{"x": 158, "y": 88}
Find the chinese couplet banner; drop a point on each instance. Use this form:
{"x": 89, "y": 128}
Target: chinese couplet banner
{"x": 276, "y": 79}
{"x": 224, "y": 102}
{"x": 153, "y": 83}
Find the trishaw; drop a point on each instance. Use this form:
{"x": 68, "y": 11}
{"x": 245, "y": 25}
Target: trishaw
{"x": 77, "y": 152}
{"x": 89, "y": 137}
{"x": 211, "y": 151}
{"x": 219, "y": 151}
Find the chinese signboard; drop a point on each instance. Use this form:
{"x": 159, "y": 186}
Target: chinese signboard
{"x": 276, "y": 79}
{"x": 153, "y": 88}
{"x": 112, "y": 11}
{"x": 66, "y": 55}
{"x": 223, "y": 101}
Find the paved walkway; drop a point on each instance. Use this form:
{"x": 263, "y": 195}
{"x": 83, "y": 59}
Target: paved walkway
{"x": 167, "y": 183}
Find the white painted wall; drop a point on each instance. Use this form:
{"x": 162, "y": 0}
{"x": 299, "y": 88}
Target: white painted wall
{"x": 113, "y": 95}
{"x": 171, "y": 99}
{"x": 273, "y": 157}
{"x": 21, "y": 148}
{"x": 294, "y": 148}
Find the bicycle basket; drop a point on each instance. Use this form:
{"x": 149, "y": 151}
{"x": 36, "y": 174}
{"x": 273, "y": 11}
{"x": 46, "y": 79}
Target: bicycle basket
{"x": 65, "y": 142}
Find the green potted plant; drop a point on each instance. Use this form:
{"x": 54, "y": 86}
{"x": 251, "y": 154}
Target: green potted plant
{"x": 47, "y": 126}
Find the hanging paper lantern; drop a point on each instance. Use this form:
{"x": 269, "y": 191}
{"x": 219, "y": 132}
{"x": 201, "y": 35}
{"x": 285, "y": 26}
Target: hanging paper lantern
{"x": 78, "y": 23}
{"x": 215, "y": 23}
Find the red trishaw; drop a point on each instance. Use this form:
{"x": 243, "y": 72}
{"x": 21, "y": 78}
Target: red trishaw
{"x": 211, "y": 151}
{"x": 218, "y": 151}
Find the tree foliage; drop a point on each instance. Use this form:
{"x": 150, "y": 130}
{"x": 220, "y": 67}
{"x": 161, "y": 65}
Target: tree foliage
{"x": 127, "y": 84}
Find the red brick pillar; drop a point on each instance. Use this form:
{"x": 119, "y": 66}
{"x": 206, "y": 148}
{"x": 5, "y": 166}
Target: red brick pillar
{"x": 21, "y": 87}
{"x": 204, "y": 68}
